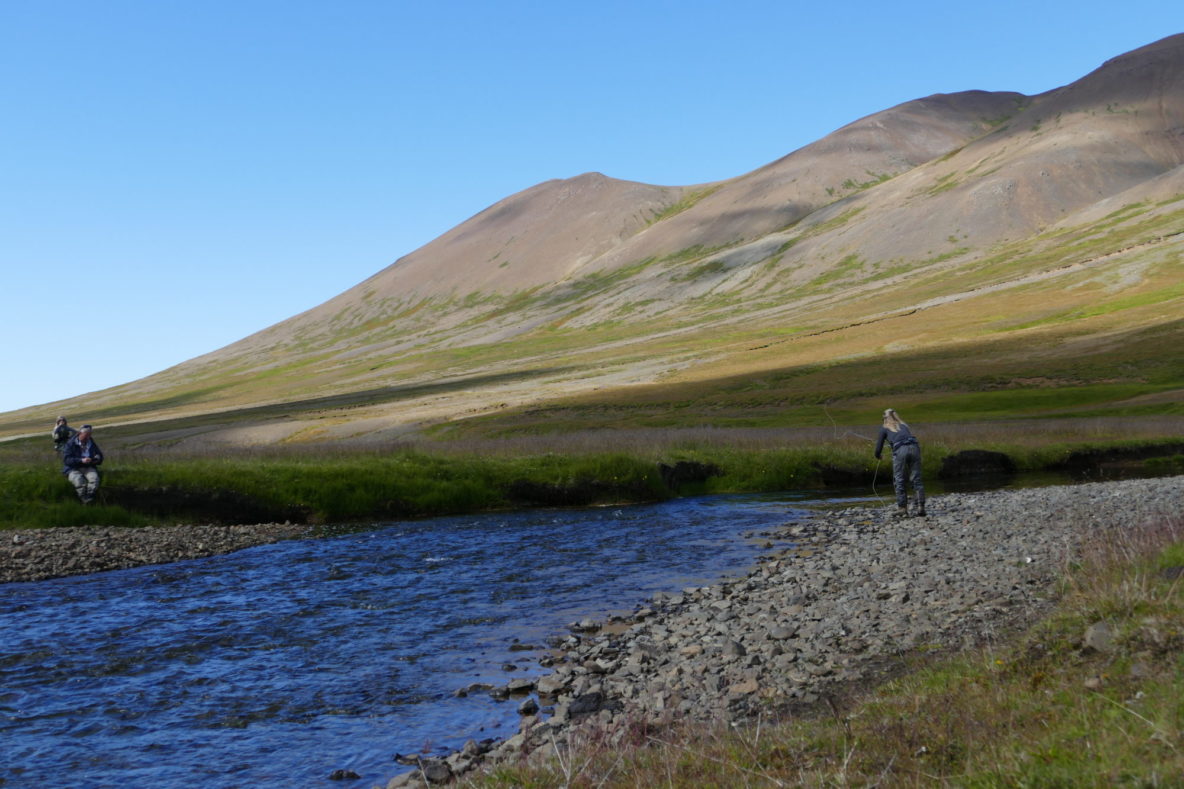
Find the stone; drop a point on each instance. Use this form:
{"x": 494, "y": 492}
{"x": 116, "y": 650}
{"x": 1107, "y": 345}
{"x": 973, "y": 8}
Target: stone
{"x": 1099, "y": 637}
{"x": 551, "y": 684}
{"x": 586, "y": 704}
{"x": 744, "y": 687}
{"x": 734, "y": 649}
{"x": 343, "y": 775}
{"x": 976, "y": 463}
{"x": 436, "y": 771}
{"x": 1174, "y": 573}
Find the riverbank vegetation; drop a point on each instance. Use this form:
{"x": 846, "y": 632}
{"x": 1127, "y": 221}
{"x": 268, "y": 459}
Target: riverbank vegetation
{"x": 1089, "y": 697}
{"x": 330, "y": 484}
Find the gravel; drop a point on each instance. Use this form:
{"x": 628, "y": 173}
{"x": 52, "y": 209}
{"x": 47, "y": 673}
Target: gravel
{"x": 847, "y": 592}
{"x": 37, "y": 554}
{"x": 856, "y": 589}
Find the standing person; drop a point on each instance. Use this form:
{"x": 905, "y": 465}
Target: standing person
{"x": 61, "y": 434}
{"x": 82, "y": 457}
{"x": 906, "y": 462}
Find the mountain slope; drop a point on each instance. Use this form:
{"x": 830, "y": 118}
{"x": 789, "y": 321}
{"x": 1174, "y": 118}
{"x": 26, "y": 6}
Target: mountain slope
{"x": 933, "y": 223}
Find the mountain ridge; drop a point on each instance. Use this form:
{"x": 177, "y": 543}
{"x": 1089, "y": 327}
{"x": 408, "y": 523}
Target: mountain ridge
{"x": 911, "y": 205}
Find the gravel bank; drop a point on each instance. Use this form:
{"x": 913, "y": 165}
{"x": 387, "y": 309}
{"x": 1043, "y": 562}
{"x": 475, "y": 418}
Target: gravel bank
{"x": 37, "y": 554}
{"x": 856, "y": 588}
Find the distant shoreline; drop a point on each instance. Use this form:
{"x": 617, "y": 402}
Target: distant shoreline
{"x": 41, "y": 554}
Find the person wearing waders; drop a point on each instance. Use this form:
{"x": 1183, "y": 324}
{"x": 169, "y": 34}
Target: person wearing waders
{"x": 906, "y": 462}
{"x": 82, "y": 458}
{"x": 62, "y": 433}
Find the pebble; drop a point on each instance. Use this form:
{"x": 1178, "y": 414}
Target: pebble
{"x": 37, "y": 554}
{"x": 855, "y": 588}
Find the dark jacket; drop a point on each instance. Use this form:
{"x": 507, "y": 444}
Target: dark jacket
{"x": 62, "y": 434}
{"x": 75, "y": 450}
{"x": 896, "y": 440}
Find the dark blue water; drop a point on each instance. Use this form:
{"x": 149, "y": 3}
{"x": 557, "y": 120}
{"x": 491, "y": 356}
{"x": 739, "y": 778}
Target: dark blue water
{"x": 276, "y": 665}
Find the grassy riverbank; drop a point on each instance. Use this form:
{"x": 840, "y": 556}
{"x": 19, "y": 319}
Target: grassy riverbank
{"x": 1089, "y": 697}
{"x": 327, "y": 484}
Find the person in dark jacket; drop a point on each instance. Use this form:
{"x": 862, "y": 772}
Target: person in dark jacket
{"x": 62, "y": 433}
{"x": 906, "y": 462}
{"x": 82, "y": 457}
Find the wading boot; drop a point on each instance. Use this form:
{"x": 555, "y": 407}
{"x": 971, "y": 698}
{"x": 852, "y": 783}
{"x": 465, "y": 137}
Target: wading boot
{"x": 902, "y": 511}
{"x": 919, "y": 509}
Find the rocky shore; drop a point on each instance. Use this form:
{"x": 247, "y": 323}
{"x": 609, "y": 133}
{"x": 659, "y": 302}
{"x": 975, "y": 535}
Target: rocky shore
{"x": 856, "y": 589}
{"x": 836, "y": 601}
{"x": 37, "y": 554}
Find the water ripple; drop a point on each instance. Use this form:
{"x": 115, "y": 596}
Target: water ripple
{"x": 275, "y": 665}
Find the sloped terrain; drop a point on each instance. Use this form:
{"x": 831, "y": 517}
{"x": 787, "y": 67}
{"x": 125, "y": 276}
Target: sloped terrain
{"x": 948, "y": 235}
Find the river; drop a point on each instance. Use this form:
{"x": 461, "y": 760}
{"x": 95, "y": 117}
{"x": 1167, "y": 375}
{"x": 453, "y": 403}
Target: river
{"x": 276, "y": 665}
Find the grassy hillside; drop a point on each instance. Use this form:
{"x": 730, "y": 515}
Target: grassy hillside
{"x": 963, "y": 254}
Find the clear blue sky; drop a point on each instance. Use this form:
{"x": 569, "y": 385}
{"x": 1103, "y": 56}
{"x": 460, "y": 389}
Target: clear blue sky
{"x": 178, "y": 175}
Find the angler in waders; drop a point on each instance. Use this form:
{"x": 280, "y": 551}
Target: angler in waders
{"x": 62, "y": 433}
{"x": 906, "y": 462}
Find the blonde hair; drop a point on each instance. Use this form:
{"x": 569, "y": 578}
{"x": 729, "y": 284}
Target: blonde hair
{"x": 892, "y": 420}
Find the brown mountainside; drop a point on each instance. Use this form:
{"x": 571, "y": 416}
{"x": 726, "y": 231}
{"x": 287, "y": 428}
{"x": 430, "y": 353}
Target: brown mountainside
{"x": 593, "y": 282}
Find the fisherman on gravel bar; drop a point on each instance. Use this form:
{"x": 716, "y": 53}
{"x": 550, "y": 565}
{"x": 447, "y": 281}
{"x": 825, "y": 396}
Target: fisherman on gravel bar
{"x": 906, "y": 462}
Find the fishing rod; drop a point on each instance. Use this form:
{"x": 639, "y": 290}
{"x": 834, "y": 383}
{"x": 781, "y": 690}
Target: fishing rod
{"x": 835, "y": 425}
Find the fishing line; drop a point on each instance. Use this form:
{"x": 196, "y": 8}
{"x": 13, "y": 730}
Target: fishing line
{"x": 876, "y": 473}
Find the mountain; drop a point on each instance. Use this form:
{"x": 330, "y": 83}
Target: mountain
{"x": 1016, "y": 224}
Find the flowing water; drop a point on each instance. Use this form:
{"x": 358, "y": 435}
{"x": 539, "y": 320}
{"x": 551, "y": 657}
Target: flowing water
{"x": 276, "y": 665}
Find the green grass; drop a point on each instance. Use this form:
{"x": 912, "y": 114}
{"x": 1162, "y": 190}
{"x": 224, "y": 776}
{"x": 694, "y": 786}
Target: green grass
{"x": 689, "y": 201}
{"x": 139, "y": 488}
{"x": 1105, "y": 307}
{"x": 317, "y": 484}
{"x": 876, "y": 179}
{"x": 1038, "y": 710}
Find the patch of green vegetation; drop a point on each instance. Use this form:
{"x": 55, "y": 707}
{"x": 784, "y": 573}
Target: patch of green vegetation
{"x": 788, "y": 245}
{"x": 1160, "y": 296}
{"x": 842, "y": 270}
{"x": 597, "y": 282}
{"x": 517, "y": 301}
{"x": 1071, "y": 245}
{"x": 876, "y": 179}
{"x": 1027, "y": 401}
{"x": 324, "y": 489}
{"x": 707, "y": 269}
{"x": 997, "y": 121}
{"x": 689, "y": 201}
{"x": 632, "y": 307}
{"x": 689, "y": 253}
{"x": 1005, "y": 381}
{"x": 951, "y": 154}
{"x": 944, "y": 183}
{"x": 942, "y": 257}
{"x": 832, "y": 224}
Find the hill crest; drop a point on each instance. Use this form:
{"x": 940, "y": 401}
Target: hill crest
{"x": 587, "y": 282}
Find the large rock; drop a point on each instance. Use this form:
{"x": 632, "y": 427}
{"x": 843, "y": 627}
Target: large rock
{"x": 687, "y": 472}
{"x": 976, "y": 463}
